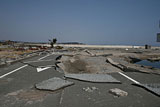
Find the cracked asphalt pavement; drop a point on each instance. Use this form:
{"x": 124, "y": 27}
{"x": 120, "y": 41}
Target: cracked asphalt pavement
{"x": 17, "y": 88}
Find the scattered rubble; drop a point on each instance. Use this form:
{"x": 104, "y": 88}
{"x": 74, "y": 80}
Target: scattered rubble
{"x": 118, "y": 92}
{"x": 87, "y": 66}
{"x": 53, "y": 84}
{"x": 7, "y": 57}
{"x": 126, "y": 66}
{"x": 90, "y": 89}
{"x": 87, "y": 60}
{"x": 100, "y": 78}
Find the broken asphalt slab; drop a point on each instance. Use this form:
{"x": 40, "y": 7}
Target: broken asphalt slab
{"x": 53, "y": 84}
{"x": 86, "y": 64}
{"x": 87, "y": 94}
{"x": 154, "y": 88}
{"x": 100, "y": 78}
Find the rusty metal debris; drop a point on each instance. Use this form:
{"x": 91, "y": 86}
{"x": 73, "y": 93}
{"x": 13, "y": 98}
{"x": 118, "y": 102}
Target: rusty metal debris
{"x": 53, "y": 84}
{"x": 102, "y": 78}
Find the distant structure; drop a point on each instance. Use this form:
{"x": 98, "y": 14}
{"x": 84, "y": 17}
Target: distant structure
{"x": 158, "y": 37}
{"x": 77, "y": 43}
{"x": 158, "y": 34}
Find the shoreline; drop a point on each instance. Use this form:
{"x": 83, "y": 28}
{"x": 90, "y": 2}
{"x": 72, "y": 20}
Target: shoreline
{"x": 105, "y": 46}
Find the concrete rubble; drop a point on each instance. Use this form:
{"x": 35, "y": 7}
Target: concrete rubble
{"x": 126, "y": 66}
{"x": 11, "y": 56}
{"x": 90, "y": 68}
{"x": 90, "y": 89}
{"x": 53, "y": 84}
{"x": 118, "y": 92}
{"x": 119, "y": 60}
{"x": 99, "y": 78}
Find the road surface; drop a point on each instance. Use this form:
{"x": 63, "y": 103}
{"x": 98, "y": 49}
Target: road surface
{"x": 17, "y": 87}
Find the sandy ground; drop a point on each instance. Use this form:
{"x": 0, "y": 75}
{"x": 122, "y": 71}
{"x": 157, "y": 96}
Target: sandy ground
{"x": 104, "y": 46}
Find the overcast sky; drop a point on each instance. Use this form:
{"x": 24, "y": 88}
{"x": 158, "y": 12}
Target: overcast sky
{"x": 120, "y": 22}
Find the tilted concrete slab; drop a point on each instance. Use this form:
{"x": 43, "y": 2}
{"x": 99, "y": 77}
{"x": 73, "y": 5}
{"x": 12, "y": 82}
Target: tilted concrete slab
{"x": 86, "y": 64}
{"x": 53, "y": 84}
{"x": 154, "y": 88}
{"x": 101, "y": 78}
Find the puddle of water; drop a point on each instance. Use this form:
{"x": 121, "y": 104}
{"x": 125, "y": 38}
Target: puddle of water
{"x": 148, "y": 63}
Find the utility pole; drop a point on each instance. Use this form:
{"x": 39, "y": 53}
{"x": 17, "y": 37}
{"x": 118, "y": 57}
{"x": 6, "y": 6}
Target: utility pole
{"x": 158, "y": 34}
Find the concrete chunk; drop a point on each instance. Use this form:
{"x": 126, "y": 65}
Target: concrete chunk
{"x": 118, "y": 92}
{"x": 53, "y": 84}
{"x": 103, "y": 78}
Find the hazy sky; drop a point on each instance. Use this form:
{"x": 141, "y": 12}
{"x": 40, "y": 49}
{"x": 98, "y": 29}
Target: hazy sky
{"x": 125, "y": 22}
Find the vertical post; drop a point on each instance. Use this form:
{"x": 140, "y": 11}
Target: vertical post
{"x": 159, "y": 24}
{"x": 158, "y": 34}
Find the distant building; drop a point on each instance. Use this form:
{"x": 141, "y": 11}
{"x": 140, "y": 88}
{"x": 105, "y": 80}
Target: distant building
{"x": 8, "y": 42}
{"x": 158, "y": 37}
